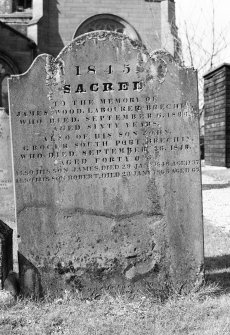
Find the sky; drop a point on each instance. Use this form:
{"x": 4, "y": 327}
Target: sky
{"x": 196, "y": 16}
{"x": 207, "y": 26}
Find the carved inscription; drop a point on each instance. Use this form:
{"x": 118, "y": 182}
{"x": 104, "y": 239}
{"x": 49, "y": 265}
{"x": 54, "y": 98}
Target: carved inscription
{"x": 103, "y": 136}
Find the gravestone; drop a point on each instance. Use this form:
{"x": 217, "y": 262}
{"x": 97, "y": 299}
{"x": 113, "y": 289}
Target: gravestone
{"x": 6, "y": 183}
{"x": 6, "y": 251}
{"x": 7, "y": 206}
{"x": 107, "y": 170}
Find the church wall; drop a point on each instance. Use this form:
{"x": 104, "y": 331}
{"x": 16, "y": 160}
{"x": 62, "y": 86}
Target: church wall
{"x": 19, "y": 49}
{"x": 64, "y": 18}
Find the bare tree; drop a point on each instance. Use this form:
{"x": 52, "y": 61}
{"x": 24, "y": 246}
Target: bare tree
{"x": 202, "y": 48}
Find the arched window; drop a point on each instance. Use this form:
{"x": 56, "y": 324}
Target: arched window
{"x": 22, "y": 5}
{"x": 107, "y": 22}
{"x": 6, "y": 69}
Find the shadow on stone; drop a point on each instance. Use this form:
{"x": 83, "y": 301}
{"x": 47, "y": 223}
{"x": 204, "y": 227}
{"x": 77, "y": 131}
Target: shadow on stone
{"x": 217, "y": 270}
{"x": 30, "y": 278}
{"x": 214, "y": 186}
{"x": 6, "y": 251}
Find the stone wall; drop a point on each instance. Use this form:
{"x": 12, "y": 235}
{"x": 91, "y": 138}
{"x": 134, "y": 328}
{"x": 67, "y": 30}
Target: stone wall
{"x": 60, "y": 21}
{"x": 5, "y": 6}
{"x": 17, "y": 47}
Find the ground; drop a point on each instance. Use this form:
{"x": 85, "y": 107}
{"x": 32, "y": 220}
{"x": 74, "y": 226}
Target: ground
{"x": 216, "y": 212}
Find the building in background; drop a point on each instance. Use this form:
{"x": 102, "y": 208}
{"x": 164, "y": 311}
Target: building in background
{"x": 17, "y": 51}
{"x": 217, "y": 116}
{"x": 28, "y": 28}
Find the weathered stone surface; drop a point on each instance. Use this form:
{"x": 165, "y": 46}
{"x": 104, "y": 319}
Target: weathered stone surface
{"x": 7, "y": 205}
{"x": 107, "y": 169}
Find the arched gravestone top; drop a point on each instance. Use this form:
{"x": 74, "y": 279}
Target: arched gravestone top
{"x": 107, "y": 169}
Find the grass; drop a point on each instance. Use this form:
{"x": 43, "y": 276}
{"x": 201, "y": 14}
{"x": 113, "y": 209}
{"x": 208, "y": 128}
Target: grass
{"x": 203, "y": 312}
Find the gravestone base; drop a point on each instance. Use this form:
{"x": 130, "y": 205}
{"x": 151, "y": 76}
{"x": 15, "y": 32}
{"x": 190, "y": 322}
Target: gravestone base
{"x": 127, "y": 256}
